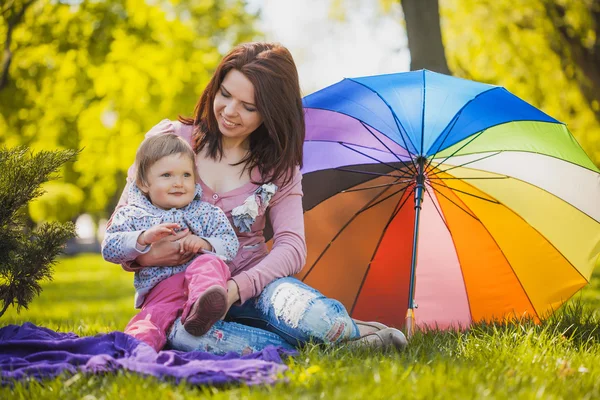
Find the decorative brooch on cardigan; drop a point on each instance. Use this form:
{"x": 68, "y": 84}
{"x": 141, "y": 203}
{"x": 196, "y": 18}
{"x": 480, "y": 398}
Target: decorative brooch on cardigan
{"x": 255, "y": 204}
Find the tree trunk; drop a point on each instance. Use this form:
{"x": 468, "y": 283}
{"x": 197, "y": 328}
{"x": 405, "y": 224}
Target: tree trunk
{"x": 424, "y": 35}
{"x": 12, "y": 17}
{"x": 571, "y": 50}
{"x": 6, "y": 58}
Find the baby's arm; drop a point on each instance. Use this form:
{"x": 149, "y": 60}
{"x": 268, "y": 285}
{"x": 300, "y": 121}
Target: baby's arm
{"x": 156, "y": 233}
{"x": 124, "y": 243}
{"x": 220, "y": 234}
{"x": 120, "y": 244}
{"x": 210, "y": 224}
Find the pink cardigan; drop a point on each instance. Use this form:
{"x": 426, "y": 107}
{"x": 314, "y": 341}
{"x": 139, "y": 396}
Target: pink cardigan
{"x": 254, "y": 267}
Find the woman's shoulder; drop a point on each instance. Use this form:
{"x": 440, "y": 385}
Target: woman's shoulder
{"x": 293, "y": 179}
{"x": 169, "y": 126}
{"x": 292, "y": 184}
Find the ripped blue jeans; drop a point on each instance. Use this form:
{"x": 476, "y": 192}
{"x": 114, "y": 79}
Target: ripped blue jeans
{"x": 288, "y": 313}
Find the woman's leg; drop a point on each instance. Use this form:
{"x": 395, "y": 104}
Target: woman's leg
{"x": 224, "y": 337}
{"x": 161, "y": 307}
{"x": 296, "y": 312}
{"x": 319, "y": 319}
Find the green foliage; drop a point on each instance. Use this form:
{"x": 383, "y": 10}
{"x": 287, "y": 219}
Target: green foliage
{"x": 27, "y": 257}
{"x": 62, "y": 202}
{"x": 515, "y": 45}
{"x": 555, "y": 360}
{"x": 98, "y": 74}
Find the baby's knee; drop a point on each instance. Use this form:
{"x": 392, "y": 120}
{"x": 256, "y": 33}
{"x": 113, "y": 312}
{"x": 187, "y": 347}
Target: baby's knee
{"x": 208, "y": 264}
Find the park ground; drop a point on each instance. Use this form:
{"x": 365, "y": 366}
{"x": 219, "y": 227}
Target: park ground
{"x": 557, "y": 359}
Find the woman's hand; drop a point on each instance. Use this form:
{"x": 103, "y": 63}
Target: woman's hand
{"x": 165, "y": 252}
{"x": 233, "y": 295}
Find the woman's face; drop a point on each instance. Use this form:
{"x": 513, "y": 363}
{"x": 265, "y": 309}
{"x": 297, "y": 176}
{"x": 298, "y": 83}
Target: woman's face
{"x": 235, "y": 106}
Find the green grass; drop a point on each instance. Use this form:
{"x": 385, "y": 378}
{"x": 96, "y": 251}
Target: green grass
{"x": 556, "y": 360}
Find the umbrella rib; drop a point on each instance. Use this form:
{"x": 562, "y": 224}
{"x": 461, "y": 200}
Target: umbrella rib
{"x": 384, "y": 145}
{"x": 372, "y": 173}
{"x": 340, "y": 232}
{"x": 517, "y": 214}
{"x": 500, "y": 249}
{"x": 437, "y": 209}
{"x": 535, "y": 152}
{"x": 453, "y": 202}
{"x": 424, "y": 103}
{"x": 501, "y": 252}
{"x": 349, "y": 143}
{"x": 467, "y": 178}
{"x": 512, "y": 270}
{"x": 451, "y": 125}
{"x": 368, "y": 156}
{"x": 457, "y": 115}
{"x": 467, "y": 193}
{"x": 459, "y": 149}
{"x": 542, "y": 236}
{"x": 398, "y": 209}
{"x": 462, "y": 165}
{"x": 512, "y": 177}
{"x": 454, "y": 245}
{"x": 382, "y": 200}
{"x": 362, "y": 283}
{"x": 396, "y": 120}
{"x": 376, "y": 186}
{"x": 441, "y": 214}
{"x": 398, "y": 125}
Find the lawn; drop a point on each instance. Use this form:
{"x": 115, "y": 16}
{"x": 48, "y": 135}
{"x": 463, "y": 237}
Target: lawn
{"x": 558, "y": 359}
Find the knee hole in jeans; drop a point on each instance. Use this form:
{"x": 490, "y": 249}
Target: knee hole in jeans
{"x": 332, "y": 324}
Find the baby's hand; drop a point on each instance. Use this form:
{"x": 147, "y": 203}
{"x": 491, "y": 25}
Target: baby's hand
{"x": 156, "y": 233}
{"x": 193, "y": 244}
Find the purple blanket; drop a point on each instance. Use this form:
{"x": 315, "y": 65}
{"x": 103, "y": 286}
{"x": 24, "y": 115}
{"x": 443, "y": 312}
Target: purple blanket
{"x": 32, "y": 351}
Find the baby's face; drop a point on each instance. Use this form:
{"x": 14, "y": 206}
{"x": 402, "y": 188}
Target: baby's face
{"x": 171, "y": 182}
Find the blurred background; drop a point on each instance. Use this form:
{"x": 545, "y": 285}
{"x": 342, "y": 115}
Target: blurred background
{"x": 96, "y": 75}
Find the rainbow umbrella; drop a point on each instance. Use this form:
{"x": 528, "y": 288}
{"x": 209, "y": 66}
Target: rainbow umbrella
{"x": 439, "y": 202}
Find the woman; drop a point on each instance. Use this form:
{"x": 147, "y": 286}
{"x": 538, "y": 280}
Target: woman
{"x": 248, "y": 132}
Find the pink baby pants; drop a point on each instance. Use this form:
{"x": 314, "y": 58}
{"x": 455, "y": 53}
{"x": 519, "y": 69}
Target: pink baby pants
{"x": 174, "y": 296}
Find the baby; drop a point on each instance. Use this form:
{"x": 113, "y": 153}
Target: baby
{"x": 164, "y": 199}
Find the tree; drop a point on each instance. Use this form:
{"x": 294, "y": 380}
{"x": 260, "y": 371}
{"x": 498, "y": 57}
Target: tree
{"x": 98, "y": 74}
{"x": 26, "y": 257}
{"x": 576, "y": 41}
{"x": 423, "y": 31}
{"x": 517, "y": 46}
{"x": 424, "y": 34}
{"x": 12, "y": 13}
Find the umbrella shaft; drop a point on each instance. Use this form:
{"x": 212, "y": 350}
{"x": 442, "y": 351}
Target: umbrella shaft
{"x": 420, "y": 187}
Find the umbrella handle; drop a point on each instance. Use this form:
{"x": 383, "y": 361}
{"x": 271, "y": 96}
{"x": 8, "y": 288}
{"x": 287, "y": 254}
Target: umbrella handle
{"x": 409, "y": 323}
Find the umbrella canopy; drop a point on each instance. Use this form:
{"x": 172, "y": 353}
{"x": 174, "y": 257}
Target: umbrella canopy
{"x": 452, "y": 197}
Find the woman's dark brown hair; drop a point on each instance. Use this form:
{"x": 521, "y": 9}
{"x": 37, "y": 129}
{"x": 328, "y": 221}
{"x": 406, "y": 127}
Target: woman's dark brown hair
{"x": 276, "y": 145}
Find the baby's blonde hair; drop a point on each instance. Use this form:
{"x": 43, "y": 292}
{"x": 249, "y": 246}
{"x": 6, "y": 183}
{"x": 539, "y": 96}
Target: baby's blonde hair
{"x": 157, "y": 147}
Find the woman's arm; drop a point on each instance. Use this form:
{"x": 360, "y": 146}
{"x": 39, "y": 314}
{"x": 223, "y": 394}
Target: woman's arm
{"x": 163, "y": 253}
{"x": 288, "y": 255}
